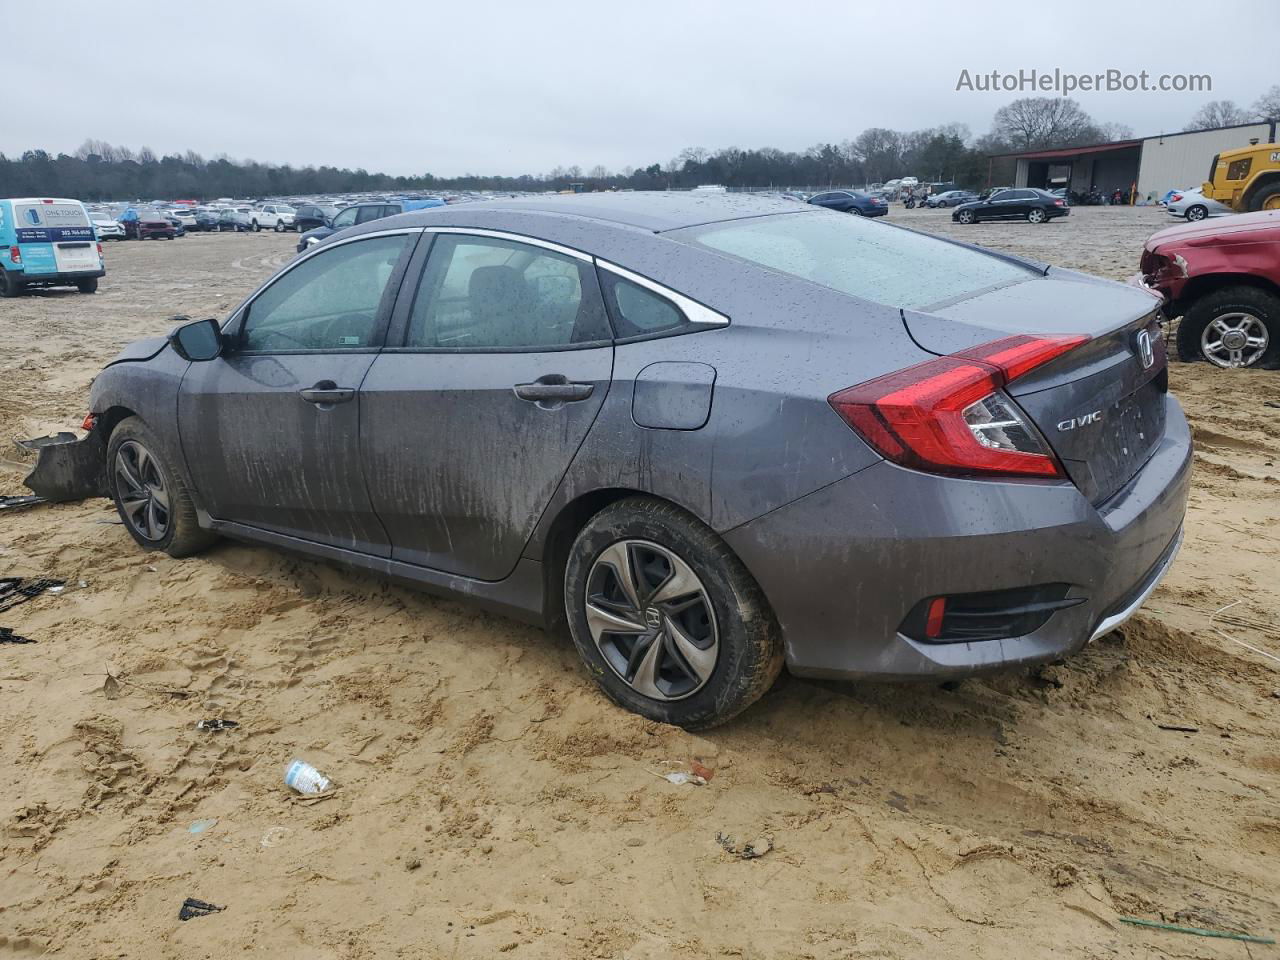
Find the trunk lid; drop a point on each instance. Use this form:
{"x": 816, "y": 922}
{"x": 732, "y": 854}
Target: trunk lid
{"x": 1101, "y": 407}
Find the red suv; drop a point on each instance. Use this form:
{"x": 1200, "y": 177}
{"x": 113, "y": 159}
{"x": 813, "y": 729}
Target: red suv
{"x": 1223, "y": 278}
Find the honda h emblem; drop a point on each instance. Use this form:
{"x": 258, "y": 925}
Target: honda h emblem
{"x": 1145, "y": 353}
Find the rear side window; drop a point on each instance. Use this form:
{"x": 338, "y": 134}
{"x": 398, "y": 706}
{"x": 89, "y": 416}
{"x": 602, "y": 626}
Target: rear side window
{"x": 485, "y": 293}
{"x": 873, "y": 261}
{"x": 370, "y": 213}
{"x": 638, "y": 312}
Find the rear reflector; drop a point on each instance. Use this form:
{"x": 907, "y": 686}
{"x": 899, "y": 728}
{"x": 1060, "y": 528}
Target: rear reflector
{"x": 950, "y": 415}
{"x": 934, "y": 620}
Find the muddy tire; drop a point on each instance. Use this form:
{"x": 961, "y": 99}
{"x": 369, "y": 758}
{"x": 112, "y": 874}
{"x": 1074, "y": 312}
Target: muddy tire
{"x": 666, "y": 618}
{"x": 1265, "y": 198}
{"x": 87, "y": 286}
{"x": 9, "y": 287}
{"x": 150, "y": 496}
{"x": 1232, "y": 327}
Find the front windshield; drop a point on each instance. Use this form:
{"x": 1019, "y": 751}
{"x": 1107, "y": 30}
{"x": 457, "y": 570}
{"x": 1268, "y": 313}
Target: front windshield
{"x": 873, "y": 261}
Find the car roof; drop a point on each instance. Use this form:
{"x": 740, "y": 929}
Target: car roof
{"x": 654, "y": 211}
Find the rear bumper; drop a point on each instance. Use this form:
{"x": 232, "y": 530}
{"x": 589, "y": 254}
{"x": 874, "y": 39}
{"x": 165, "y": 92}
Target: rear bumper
{"x": 58, "y": 279}
{"x": 843, "y": 566}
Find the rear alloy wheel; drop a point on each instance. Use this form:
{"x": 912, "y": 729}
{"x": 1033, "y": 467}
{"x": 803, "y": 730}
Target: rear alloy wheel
{"x": 279, "y": 226}
{"x": 666, "y": 618}
{"x": 151, "y": 499}
{"x": 965, "y": 216}
{"x": 855, "y": 211}
{"x": 1231, "y": 328}
{"x": 256, "y": 226}
{"x": 1036, "y": 215}
{"x": 1197, "y": 212}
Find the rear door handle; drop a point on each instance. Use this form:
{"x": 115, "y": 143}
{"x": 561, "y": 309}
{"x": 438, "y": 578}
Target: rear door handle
{"x": 327, "y": 393}
{"x": 553, "y": 389}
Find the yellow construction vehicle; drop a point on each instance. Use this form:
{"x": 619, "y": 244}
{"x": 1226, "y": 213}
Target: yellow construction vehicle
{"x": 1247, "y": 179}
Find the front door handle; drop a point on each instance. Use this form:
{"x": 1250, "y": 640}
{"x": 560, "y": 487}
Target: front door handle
{"x": 327, "y": 393}
{"x": 553, "y": 390}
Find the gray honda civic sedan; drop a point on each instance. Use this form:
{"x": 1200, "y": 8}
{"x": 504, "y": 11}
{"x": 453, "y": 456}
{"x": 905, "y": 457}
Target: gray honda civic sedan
{"x": 708, "y": 435}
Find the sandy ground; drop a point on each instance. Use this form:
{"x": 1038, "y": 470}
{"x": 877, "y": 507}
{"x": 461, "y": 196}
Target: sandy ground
{"x": 491, "y": 802}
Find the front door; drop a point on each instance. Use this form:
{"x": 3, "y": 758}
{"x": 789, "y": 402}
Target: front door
{"x": 270, "y": 430}
{"x": 471, "y": 422}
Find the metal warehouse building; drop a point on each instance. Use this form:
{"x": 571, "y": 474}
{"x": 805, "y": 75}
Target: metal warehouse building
{"x": 1156, "y": 165}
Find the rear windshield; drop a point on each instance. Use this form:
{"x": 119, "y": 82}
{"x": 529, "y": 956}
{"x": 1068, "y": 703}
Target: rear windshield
{"x": 872, "y": 261}
{"x": 50, "y": 215}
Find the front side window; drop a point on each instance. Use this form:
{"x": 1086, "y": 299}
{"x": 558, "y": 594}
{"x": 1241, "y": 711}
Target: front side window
{"x": 485, "y": 293}
{"x": 329, "y": 302}
{"x": 346, "y": 218}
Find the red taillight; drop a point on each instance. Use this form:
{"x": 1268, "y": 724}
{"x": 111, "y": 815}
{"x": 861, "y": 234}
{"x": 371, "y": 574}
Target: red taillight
{"x": 948, "y": 415}
{"x": 99, "y": 249}
{"x": 1175, "y": 198}
{"x": 1059, "y": 203}
{"x": 15, "y": 255}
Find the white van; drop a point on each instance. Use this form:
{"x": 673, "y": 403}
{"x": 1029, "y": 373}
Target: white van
{"x": 48, "y": 242}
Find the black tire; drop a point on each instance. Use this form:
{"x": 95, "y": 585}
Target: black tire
{"x": 279, "y": 226}
{"x": 87, "y": 286}
{"x": 1252, "y": 301}
{"x": 1265, "y": 198}
{"x": 742, "y": 627}
{"x": 181, "y": 534}
{"x": 9, "y": 287}
{"x": 256, "y": 226}
{"x": 855, "y": 211}
{"x": 1196, "y": 212}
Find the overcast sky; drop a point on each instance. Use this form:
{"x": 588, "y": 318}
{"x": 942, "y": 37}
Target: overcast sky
{"x": 513, "y": 87}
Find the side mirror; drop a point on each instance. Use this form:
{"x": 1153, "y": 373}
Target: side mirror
{"x": 198, "y": 340}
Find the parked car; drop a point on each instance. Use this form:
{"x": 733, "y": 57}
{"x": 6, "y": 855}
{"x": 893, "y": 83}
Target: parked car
{"x": 272, "y": 216}
{"x": 309, "y": 216}
{"x": 898, "y": 490}
{"x": 47, "y": 242}
{"x": 1193, "y": 205}
{"x": 1223, "y": 279}
{"x": 857, "y": 202}
{"x": 1021, "y": 203}
{"x": 233, "y": 218}
{"x": 184, "y": 218}
{"x": 147, "y": 225}
{"x": 348, "y": 217}
{"x": 107, "y": 227}
{"x": 951, "y": 198}
{"x": 206, "y": 219}
{"x": 179, "y": 230}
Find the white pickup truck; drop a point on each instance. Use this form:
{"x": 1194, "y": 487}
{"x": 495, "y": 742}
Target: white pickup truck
{"x": 272, "y": 216}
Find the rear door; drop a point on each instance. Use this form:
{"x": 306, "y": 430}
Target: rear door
{"x": 270, "y": 430}
{"x": 501, "y": 360}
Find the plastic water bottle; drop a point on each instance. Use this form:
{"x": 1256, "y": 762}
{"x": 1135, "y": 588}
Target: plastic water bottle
{"x": 305, "y": 778}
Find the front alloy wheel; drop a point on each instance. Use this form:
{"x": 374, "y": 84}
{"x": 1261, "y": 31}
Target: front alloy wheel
{"x": 141, "y": 491}
{"x": 1036, "y": 215}
{"x": 651, "y": 620}
{"x": 965, "y": 216}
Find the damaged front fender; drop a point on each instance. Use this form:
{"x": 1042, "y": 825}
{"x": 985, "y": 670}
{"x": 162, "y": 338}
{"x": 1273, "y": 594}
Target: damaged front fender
{"x": 67, "y": 468}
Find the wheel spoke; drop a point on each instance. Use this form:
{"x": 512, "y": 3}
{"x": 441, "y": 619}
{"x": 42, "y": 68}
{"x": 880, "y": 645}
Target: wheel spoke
{"x": 132, "y": 506}
{"x": 618, "y": 557}
{"x": 643, "y": 673}
{"x": 154, "y": 530}
{"x": 602, "y": 620}
{"x": 159, "y": 494}
{"x": 679, "y": 584}
{"x": 126, "y": 471}
{"x": 701, "y": 661}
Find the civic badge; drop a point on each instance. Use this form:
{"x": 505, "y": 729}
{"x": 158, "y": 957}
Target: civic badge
{"x": 1145, "y": 353}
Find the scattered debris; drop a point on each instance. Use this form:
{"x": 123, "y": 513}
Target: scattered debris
{"x": 272, "y": 836}
{"x": 8, "y": 636}
{"x": 16, "y": 590}
{"x": 18, "y": 503}
{"x": 1196, "y": 931}
{"x": 1227, "y": 636}
{"x": 215, "y": 724}
{"x": 1271, "y": 403}
{"x": 413, "y": 863}
{"x": 751, "y": 851}
{"x": 110, "y": 687}
{"x": 706, "y": 773}
{"x": 192, "y": 908}
{"x": 200, "y": 826}
{"x": 680, "y": 777}
{"x": 1176, "y": 727}
{"x": 306, "y": 779}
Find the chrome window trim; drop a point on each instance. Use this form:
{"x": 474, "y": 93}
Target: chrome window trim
{"x": 694, "y": 311}
{"x": 513, "y": 238}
